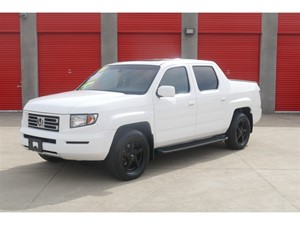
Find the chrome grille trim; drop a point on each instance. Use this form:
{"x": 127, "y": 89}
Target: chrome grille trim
{"x": 43, "y": 122}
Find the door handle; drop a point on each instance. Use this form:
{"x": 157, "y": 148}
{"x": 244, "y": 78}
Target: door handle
{"x": 191, "y": 103}
{"x": 223, "y": 99}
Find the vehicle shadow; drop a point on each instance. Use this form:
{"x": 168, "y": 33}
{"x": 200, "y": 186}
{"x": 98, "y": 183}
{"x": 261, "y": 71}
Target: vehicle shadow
{"x": 47, "y": 184}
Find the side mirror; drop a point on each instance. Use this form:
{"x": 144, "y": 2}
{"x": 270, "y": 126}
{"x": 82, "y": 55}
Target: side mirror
{"x": 166, "y": 91}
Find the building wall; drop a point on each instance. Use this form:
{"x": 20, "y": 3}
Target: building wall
{"x": 58, "y": 50}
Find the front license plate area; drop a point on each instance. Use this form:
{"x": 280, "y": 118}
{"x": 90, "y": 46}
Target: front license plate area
{"x": 35, "y": 145}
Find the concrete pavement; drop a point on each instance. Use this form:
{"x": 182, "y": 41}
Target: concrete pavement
{"x": 263, "y": 177}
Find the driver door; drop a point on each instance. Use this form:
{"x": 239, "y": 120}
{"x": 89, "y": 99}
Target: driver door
{"x": 175, "y": 117}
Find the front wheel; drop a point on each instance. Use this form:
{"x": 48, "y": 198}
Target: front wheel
{"x": 128, "y": 156}
{"x": 239, "y": 132}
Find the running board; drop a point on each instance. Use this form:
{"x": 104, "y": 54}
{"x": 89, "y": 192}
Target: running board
{"x": 179, "y": 147}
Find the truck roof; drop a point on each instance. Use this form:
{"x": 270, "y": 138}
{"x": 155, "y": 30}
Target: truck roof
{"x": 159, "y": 62}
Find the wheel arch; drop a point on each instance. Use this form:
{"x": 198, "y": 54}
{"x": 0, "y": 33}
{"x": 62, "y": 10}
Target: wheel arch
{"x": 247, "y": 112}
{"x": 143, "y": 127}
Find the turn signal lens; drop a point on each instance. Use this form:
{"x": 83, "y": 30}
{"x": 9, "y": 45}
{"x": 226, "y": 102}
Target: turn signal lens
{"x": 80, "y": 120}
{"x": 91, "y": 118}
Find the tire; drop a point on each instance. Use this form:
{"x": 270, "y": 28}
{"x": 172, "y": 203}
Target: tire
{"x": 239, "y": 132}
{"x": 50, "y": 158}
{"x": 128, "y": 156}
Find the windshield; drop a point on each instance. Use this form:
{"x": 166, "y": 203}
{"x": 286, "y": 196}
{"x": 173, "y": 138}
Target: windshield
{"x": 127, "y": 79}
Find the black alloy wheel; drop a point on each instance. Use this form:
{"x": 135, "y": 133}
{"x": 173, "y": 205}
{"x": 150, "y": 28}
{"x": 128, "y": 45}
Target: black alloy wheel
{"x": 239, "y": 132}
{"x": 132, "y": 156}
{"x": 128, "y": 156}
{"x": 242, "y": 132}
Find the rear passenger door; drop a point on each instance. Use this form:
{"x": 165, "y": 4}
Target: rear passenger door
{"x": 175, "y": 117}
{"x": 211, "y": 102}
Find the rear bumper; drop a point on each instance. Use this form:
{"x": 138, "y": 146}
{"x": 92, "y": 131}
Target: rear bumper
{"x": 84, "y": 146}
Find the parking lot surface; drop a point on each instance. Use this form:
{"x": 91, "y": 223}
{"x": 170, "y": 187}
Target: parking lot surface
{"x": 263, "y": 177}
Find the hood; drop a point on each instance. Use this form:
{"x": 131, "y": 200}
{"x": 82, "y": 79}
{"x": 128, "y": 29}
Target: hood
{"x": 74, "y": 102}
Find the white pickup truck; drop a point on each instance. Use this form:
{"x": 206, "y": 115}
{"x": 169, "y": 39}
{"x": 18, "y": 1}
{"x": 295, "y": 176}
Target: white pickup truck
{"x": 127, "y": 112}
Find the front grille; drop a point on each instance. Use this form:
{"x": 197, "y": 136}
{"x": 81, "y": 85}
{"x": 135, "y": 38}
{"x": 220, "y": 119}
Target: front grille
{"x": 43, "y": 122}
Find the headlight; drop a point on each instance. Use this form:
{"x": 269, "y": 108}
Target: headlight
{"x": 81, "y": 120}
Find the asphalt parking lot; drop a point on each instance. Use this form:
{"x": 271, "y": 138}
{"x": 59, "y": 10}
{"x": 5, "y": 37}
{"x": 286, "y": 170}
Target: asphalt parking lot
{"x": 265, "y": 177}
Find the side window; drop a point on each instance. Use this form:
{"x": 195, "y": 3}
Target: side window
{"x": 178, "y": 78}
{"x": 206, "y": 78}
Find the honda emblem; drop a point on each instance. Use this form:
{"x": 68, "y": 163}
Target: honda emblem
{"x": 40, "y": 122}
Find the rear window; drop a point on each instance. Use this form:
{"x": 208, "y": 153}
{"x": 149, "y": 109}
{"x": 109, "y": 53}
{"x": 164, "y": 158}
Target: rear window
{"x": 206, "y": 78}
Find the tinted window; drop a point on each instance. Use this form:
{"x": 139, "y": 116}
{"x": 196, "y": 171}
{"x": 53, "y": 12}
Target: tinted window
{"x": 178, "y": 78}
{"x": 206, "y": 78}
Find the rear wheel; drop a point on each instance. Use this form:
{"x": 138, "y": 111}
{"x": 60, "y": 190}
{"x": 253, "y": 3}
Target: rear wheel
{"x": 239, "y": 132}
{"x": 50, "y": 158}
{"x": 128, "y": 156}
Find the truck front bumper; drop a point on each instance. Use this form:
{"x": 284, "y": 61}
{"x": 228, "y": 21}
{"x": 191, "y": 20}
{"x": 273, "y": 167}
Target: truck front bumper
{"x": 71, "y": 146}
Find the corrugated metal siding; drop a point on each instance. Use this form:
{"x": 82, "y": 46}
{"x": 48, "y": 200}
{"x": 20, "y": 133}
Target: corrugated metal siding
{"x": 10, "y": 63}
{"x": 69, "y": 49}
{"x": 233, "y": 41}
{"x": 288, "y": 66}
{"x": 148, "y": 46}
{"x": 289, "y": 23}
{"x": 229, "y": 22}
{"x": 65, "y": 60}
{"x": 10, "y": 22}
{"x": 68, "y": 22}
{"x": 149, "y": 36}
{"x": 149, "y": 22}
{"x": 288, "y": 75}
{"x": 236, "y": 54}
